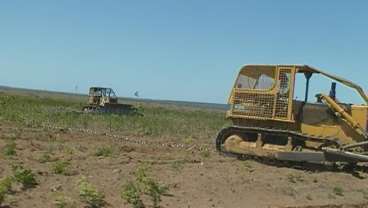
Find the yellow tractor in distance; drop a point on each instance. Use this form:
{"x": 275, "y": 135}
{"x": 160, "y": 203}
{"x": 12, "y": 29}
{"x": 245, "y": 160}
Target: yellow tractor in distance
{"x": 104, "y": 100}
{"x": 268, "y": 122}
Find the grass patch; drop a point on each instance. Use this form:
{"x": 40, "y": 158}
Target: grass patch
{"x": 90, "y": 195}
{"x": 158, "y": 120}
{"x": 62, "y": 201}
{"x": 132, "y": 194}
{"x": 24, "y": 176}
{"x": 104, "y": 152}
{"x": 61, "y": 167}
{"x": 205, "y": 153}
{"x": 10, "y": 149}
{"x": 146, "y": 185}
{"x": 5, "y": 187}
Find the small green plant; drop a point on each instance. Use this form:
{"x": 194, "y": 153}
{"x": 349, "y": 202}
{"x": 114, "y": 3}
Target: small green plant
{"x": 5, "y": 187}
{"x": 205, "y": 153}
{"x": 104, "y": 152}
{"x": 90, "y": 195}
{"x": 131, "y": 194}
{"x": 10, "y": 148}
{"x": 189, "y": 141}
{"x": 143, "y": 184}
{"x": 64, "y": 202}
{"x": 338, "y": 191}
{"x": 24, "y": 176}
{"x": 68, "y": 150}
{"x": 60, "y": 167}
{"x": 155, "y": 191}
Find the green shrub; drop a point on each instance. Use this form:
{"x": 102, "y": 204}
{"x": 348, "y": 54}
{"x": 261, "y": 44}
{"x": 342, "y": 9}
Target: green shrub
{"x": 60, "y": 167}
{"x": 90, "y": 195}
{"x": 131, "y": 194}
{"x": 10, "y": 149}
{"x": 104, "y": 152}
{"x": 143, "y": 185}
{"x": 155, "y": 191}
{"x": 150, "y": 186}
{"x": 64, "y": 202}
{"x": 5, "y": 187}
{"x": 24, "y": 176}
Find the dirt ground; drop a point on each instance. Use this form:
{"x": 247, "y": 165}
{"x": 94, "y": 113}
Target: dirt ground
{"x": 196, "y": 176}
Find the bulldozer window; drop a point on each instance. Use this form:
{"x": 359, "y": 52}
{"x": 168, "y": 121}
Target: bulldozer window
{"x": 110, "y": 93}
{"x": 284, "y": 83}
{"x": 95, "y": 92}
{"x": 257, "y": 79}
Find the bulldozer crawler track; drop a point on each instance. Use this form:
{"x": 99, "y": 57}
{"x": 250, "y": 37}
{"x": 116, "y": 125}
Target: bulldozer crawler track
{"x": 275, "y": 132}
{"x": 238, "y": 130}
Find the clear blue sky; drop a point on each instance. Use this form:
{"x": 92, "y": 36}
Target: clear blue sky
{"x": 178, "y": 50}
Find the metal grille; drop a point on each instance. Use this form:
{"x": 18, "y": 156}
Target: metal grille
{"x": 254, "y": 104}
{"x": 265, "y": 104}
{"x": 282, "y": 97}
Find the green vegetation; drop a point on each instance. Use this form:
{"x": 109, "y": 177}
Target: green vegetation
{"x": 338, "y": 191}
{"x": 24, "y": 176}
{"x": 64, "y": 202}
{"x": 205, "y": 153}
{"x": 5, "y": 187}
{"x": 131, "y": 194}
{"x": 10, "y": 148}
{"x": 90, "y": 195}
{"x": 60, "y": 167}
{"x": 186, "y": 123}
{"x": 104, "y": 152}
{"x": 143, "y": 185}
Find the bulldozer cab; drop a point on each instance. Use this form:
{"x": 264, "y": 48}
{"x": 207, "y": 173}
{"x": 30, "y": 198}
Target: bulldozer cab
{"x": 101, "y": 96}
{"x": 265, "y": 92}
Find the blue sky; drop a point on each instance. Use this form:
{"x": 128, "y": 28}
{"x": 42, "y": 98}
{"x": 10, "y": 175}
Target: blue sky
{"x": 178, "y": 50}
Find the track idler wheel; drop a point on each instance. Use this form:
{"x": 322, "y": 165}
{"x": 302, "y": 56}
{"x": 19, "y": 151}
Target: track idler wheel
{"x": 236, "y": 144}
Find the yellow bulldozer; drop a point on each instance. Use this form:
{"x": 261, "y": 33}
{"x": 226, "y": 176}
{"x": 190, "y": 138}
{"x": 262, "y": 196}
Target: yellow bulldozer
{"x": 268, "y": 122}
{"x": 104, "y": 100}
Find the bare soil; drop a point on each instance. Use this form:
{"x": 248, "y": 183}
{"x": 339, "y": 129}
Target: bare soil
{"x": 197, "y": 176}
